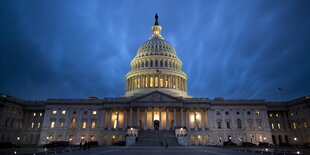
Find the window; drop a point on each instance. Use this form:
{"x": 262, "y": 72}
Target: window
{"x": 61, "y": 125}
{"x": 93, "y": 124}
{"x": 85, "y": 112}
{"x": 156, "y": 81}
{"x": 292, "y": 114}
{"x": 52, "y": 124}
{"x": 277, "y": 115}
{"x": 41, "y": 113}
{"x": 218, "y": 113}
{"x": 74, "y": 112}
{"x": 94, "y": 112}
{"x": 257, "y": 112}
{"x": 226, "y": 112}
{"x": 54, "y": 112}
{"x": 39, "y": 125}
{"x": 228, "y": 125}
{"x": 34, "y": 114}
{"x": 219, "y": 125}
{"x": 84, "y": 124}
{"x": 32, "y": 125}
{"x": 73, "y": 123}
{"x": 237, "y": 112}
{"x": 272, "y": 126}
{"x": 151, "y": 82}
{"x": 161, "y": 83}
{"x": 249, "y": 112}
{"x": 294, "y": 125}
{"x": 305, "y": 125}
{"x": 250, "y": 123}
{"x": 270, "y": 115}
{"x": 239, "y": 125}
{"x": 279, "y": 126}
{"x": 63, "y": 112}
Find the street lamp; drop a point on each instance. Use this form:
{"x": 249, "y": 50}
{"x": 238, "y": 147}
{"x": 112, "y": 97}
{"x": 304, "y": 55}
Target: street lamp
{"x": 295, "y": 138}
{"x": 265, "y": 138}
{"x": 131, "y": 131}
{"x": 181, "y": 131}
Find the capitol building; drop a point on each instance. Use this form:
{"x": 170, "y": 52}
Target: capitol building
{"x": 155, "y": 107}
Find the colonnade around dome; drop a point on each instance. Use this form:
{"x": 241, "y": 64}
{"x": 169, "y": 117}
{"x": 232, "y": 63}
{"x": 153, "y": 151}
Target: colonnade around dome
{"x": 156, "y": 81}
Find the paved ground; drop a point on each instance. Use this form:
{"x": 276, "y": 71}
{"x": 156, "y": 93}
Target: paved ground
{"x": 144, "y": 150}
{"x": 158, "y": 151}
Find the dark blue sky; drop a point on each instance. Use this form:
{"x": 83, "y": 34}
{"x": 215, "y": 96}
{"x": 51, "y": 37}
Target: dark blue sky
{"x": 234, "y": 49}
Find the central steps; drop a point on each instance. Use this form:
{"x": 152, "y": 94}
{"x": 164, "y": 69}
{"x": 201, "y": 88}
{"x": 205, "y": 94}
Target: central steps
{"x": 155, "y": 137}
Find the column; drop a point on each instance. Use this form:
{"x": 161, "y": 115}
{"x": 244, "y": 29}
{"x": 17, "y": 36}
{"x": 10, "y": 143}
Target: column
{"x": 160, "y": 127}
{"x": 195, "y": 122}
{"x": 174, "y": 118}
{"x": 117, "y": 122}
{"x": 210, "y": 125}
{"x": 207, "y": 119}
{"x": 138, "y": 118}
{"x": 182, "y": 120}
{"x": 285, "y": 121}
{"x": 167, "y": 119}
{"x": 145, "y": 118}
{"x": 152, "y": 118}
{"x": 187, "y": 120}
{"x": 202, "y": 119}
{"x": 110, "y": 122}
{"x": 125, "y": 119}
{"x": 130, "y": 119}
{"x": 102, "y": 119}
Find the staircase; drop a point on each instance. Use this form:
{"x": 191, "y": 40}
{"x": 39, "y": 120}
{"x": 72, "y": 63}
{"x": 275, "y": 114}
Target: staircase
{"x": 154, "y": 137}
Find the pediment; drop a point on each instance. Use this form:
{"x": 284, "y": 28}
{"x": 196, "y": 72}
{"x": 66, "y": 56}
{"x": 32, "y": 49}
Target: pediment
{"x": 156, "y": 96}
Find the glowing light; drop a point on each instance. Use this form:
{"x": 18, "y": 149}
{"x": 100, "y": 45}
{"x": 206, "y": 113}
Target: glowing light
{"x": 295, "y": 138}
{"x": 15, "y": 152}
{"x": 131, "y": 129}
{"x": 47, "y": 138}
{"x": 181, "y": 128}
{"x": 156, "y": 116}
{"x": 266, "y": 149}
{"x": 298, "y": 152}
{"x": 18, "y": 138}
{"x": 265, "y": 138}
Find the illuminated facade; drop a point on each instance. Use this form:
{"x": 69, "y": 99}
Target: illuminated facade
{"x": 155, "y": 99}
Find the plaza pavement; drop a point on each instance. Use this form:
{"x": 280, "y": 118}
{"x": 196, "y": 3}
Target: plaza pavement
{"x": 132, "y": 150}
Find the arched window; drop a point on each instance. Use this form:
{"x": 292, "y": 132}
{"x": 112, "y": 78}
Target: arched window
{"x": 156, "y": 63}
{"x": 170, "y": 64}
{"x": 161, "y": 63}
{"x": 239, "y": 125}
{"x": 156, "y": 81}
{"x": 142, "y": 65}
{"x": 73, "y": 123}
{"x": 146, "y": 63}
{"x": 151, "y": 64}
{"x": 166, "y": 64}
{"x": 138, "y": 65}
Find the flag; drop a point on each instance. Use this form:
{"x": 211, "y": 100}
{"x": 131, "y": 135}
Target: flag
{"x": 158, "y": 71}
{"x": 280, "y": 89}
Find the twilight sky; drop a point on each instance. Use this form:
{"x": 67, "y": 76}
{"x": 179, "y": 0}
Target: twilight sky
{"x": 233, "y": 49}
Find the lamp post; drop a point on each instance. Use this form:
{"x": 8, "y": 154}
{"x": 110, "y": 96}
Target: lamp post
{"x": 47, "y": 138}
{"x": 181, "y": 131}
{"x": 131, "y": 131}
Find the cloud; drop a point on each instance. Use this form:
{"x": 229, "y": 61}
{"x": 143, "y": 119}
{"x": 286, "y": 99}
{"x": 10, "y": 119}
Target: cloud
{"x": 72, "y": 49}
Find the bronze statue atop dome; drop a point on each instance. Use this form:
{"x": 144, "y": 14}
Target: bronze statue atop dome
{"x": 156, "y": 19}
